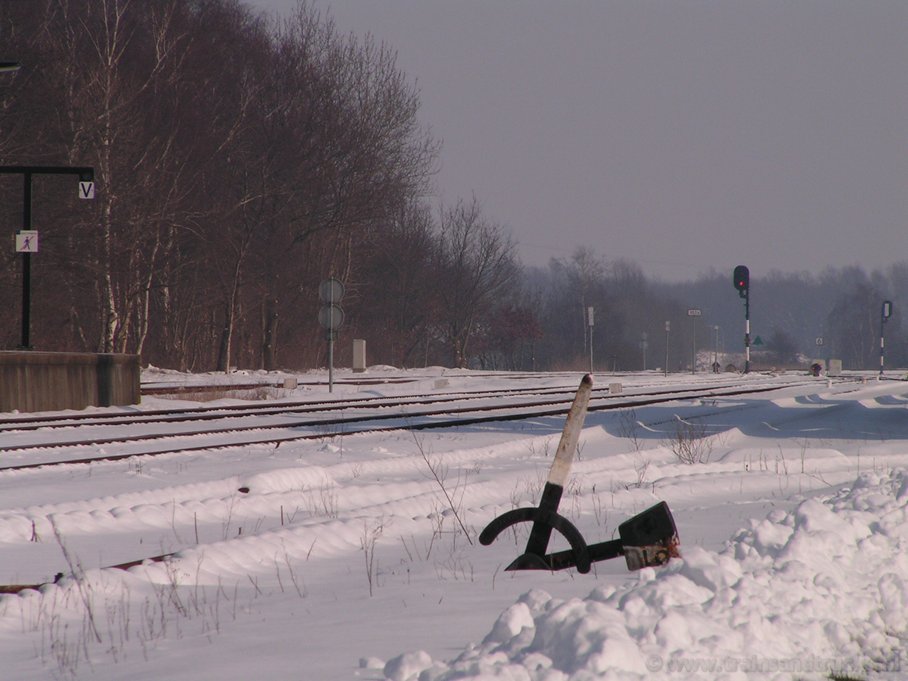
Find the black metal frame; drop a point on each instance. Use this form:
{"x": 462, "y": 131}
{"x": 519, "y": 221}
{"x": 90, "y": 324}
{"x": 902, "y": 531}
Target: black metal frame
{"x": 86, "y": 174}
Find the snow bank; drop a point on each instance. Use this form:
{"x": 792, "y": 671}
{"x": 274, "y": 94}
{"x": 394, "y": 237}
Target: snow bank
{"x": 804, "y": 594}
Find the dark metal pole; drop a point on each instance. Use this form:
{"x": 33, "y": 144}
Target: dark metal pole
{"x": 331, "y": 355}
{"x": 716, "y": 354}
{"x": 26, "y": 263}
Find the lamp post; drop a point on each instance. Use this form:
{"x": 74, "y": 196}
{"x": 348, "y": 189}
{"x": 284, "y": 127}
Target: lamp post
{"x": 590, "y": 320}
{"x": 668, "y": 328}
{"x": 7, "y": 66}
{"x": 693, "y": 313}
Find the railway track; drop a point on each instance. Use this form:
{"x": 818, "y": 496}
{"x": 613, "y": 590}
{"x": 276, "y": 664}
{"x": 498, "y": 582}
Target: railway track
{"x": 203, "y": 413}
{"x": 164, "y": 387}
{"x": 34, "y": 442}
{"x": 44, "y": 421}
{"x": 55, "y": 443}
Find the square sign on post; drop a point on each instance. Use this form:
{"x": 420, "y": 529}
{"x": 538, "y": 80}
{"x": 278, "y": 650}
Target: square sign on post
{"x": 27, "y": 241}
{"x": 86, "y": 190}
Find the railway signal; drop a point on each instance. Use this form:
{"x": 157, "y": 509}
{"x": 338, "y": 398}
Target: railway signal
{"x": 646, "y": 540}
{"x": 741, "y": 280}
{"x": 885, "y": 314}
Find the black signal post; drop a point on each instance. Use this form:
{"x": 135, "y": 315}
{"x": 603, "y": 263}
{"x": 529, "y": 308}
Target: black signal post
{"x": 741, "y": 280}
{"x": 86, "y": 191}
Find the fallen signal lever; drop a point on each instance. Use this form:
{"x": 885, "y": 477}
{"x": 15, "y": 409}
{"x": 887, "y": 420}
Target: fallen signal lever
{"x": 648, "y": 539}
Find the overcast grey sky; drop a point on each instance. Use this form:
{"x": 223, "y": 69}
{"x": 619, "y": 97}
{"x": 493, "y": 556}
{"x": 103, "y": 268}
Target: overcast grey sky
{"x": 683, "y": 135}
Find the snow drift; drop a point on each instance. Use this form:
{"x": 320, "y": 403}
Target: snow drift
{"x": 804, "y": 594}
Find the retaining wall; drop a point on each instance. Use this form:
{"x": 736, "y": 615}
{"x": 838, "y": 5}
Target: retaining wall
{"x": 51, "y": 381}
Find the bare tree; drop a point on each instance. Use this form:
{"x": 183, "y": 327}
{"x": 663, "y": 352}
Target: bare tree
{"x": 854, "y": 321}
{"x": 391, "y": 295}
{"x": 345, "y": 152}
{"x": 475, "y": 264}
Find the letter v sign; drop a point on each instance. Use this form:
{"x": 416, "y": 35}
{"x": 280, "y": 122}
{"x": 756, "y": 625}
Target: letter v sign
{"x": 86, "y": 190}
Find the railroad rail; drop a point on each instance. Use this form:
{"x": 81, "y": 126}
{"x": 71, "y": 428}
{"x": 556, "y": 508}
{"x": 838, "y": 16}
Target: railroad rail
{"x": 172, "y": 431}
{"x": 309, "y": 420}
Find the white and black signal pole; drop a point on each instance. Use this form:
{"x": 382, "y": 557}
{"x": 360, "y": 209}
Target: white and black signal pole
{"x": 885, "y": 314}
{"x": 741, "y": 280}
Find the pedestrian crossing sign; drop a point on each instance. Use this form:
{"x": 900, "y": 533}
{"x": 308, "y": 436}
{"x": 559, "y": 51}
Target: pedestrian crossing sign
{"x": 27, "y": 241}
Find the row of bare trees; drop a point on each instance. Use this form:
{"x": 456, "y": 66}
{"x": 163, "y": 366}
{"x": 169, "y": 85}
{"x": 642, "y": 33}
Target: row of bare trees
{"x": 238, "y": 162}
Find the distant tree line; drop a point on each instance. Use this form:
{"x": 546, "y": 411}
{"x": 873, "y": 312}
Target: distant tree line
{"x": 795, "y": 318}
{"x": 240, "y": 160}
{"x": 793, "y": 312}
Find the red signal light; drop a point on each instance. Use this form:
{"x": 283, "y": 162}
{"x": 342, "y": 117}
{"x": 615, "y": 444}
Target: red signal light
{"x": 741, "y": 279}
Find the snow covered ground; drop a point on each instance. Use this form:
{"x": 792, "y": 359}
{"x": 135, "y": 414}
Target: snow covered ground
{"x": 348, "y": 559}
